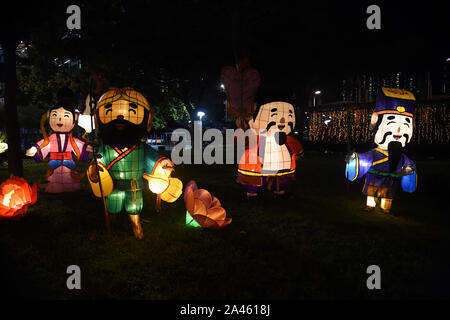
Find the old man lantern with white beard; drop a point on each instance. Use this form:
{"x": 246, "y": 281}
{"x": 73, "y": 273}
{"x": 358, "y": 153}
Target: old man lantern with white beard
{"x": 386, "y": 167}
{"x": 123, "y": 118}
{"x": 269, "y": 159}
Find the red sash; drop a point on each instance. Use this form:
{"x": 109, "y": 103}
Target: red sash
{"x": 60, "y": 156}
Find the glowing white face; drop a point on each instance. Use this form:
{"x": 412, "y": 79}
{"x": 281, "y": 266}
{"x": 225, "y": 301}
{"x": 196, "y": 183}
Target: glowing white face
{"x": 274, "y": 117}
{"x": 61, "y": 120}
{"x": 394, "y": 127}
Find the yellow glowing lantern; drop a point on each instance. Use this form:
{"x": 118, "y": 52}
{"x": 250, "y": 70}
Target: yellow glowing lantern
{"x": 119, "y": 102}
{"x": 158, "y": 182}
{"x": 173, "y": 191}
{"x": 106, "y": 181}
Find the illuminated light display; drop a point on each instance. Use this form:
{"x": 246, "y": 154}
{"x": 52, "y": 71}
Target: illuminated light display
{"x": 16, "y": 196}
{"x": 59, "y": 146}
{"x": 431, "y": 125}
{"x": 173, "y": 191}
{"x": 386, "y": 167}
{"x": 123, "y": 117}
{"x": 271, "y": 161}
{"x": 204, "y": 209}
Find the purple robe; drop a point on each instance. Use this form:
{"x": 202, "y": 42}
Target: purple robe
{"x": 374, "y": 165}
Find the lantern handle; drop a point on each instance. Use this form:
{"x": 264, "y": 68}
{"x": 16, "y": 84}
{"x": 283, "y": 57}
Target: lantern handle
{"x": 92, "y": 104}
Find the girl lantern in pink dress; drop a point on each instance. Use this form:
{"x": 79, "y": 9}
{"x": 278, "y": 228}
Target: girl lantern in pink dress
{"x": 61, "y": 169}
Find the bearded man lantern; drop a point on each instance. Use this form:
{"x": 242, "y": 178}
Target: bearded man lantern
{"x": 269, "y": 162}
{"x": 386, "y": 167}
{"x": 61, "y": 169}
{"x": 123, "y": 118}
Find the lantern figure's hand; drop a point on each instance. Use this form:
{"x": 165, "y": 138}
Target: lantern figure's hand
{"x": 31, "y": 152}
{"x": 350, "y": 157}
{"x": 168, "y": 166}
{"x": 92, "y": 172}
{"x": 407, "y": 170}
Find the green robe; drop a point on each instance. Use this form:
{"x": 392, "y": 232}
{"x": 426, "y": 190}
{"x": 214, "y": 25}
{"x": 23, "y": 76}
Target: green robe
{"x": 126, "y": 169}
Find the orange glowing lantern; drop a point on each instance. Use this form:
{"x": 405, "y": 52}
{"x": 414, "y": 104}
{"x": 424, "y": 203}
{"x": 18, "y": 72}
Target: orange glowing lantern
{"x": 16, "y": 196}
{"x": 204, "y": 208}
{"x": 173, "y": 191}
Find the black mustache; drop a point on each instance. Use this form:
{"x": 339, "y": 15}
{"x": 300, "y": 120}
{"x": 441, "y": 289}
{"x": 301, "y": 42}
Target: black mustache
{"x": 385, "y": 137}
{"x": 407, "y": 137}
{"x": 272, "y": 123}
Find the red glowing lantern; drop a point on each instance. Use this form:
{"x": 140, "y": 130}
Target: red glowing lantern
{"x": 16, "y": 196}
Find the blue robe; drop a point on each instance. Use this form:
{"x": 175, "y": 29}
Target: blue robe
{"x": 374, "y": 165}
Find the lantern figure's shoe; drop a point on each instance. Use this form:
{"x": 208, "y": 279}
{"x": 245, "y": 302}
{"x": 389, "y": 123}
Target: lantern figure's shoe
{"x": 204, "y": 208}
{"x": 16, "y": 196}
{"x": 136, "y": 224}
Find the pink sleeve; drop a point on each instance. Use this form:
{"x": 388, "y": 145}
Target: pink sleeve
{"x": 84, "y": 149}
{"x": 42, "y": 153}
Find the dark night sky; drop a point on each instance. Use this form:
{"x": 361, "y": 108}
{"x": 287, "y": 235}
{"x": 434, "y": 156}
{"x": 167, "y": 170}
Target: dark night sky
{"x": 297, "y": 43}
{"x": 300, "y": 44}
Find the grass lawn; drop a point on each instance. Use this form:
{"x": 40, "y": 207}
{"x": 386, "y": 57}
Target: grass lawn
{"x": 317, "y": 244}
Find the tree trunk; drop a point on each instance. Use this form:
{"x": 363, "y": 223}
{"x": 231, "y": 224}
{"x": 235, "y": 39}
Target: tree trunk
{"x": 15, "y": 165}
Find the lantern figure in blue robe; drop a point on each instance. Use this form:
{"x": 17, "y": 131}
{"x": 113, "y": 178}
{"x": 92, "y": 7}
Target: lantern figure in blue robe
{"x": 386, "y": 167}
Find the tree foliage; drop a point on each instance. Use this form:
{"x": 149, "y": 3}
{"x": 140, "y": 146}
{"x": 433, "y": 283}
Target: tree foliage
{"x": 169, "y": 112}
{"x": 37, "y": 92}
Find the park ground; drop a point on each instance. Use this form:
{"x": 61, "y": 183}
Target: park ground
{"x": 315, "y": 245}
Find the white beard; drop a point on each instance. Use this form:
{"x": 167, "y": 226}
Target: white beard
{"x": 276, "y": 157}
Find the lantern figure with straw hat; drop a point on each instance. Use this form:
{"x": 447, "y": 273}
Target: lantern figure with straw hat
{"x": 123, "y": 118}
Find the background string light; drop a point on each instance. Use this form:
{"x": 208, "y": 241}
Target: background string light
{"x": 432, "y": 124}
